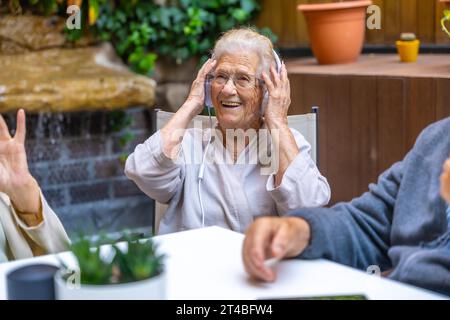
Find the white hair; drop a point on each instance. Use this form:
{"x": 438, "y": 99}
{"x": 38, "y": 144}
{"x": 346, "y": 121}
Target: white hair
{"x": 246, "y": 39}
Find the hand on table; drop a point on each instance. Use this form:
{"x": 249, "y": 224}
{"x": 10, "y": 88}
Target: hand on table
{"x": 273, "y": 237}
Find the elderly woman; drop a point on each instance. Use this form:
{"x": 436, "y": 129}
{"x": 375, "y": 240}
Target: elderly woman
{"x": 241, "y": 72}
{"x": 28, "y": 226}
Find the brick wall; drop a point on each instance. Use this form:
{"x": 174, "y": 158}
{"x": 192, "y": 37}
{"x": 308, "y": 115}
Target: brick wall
{"x": 75, "y": 158}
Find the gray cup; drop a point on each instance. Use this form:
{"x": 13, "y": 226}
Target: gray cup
{"x": 31, "y": 282}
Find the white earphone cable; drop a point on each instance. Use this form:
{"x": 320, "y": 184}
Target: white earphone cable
{"x": 202, "y": 169}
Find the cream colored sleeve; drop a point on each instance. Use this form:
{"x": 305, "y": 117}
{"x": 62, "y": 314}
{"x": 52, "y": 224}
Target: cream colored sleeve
{"x": 50, "y": 234}
{"x": 302, "y": 186}
{"x": 154, "y": 173}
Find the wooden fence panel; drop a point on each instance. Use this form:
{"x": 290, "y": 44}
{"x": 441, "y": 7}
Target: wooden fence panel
{"x": 419, "y": 16}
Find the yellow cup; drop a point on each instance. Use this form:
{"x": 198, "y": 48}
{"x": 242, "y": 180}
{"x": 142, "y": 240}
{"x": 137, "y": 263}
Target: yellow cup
{"x": 408, "y": 50}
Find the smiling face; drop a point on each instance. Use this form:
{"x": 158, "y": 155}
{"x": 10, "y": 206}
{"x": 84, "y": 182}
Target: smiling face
{"x": 237, "y": 107}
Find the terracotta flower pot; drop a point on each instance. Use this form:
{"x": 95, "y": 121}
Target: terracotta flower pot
{"x": 336, "y": 30}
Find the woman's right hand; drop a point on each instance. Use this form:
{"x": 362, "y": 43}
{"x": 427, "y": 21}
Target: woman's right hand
{"x": 196, "y": 98}
{"x": 173, "y": 131}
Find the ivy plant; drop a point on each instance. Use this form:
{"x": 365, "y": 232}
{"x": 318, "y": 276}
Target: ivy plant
{"x": 119, "y": 122}
{"x": 143, "y": 30}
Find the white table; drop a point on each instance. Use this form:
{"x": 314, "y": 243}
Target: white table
{"x": 206, "y": 264}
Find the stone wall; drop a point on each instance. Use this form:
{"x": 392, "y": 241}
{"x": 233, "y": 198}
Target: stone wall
{"x": 174, "y": 82}
{"x": 75, "y": 158}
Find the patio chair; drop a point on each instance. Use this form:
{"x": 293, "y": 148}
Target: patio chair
{"x": 306, "y": 124}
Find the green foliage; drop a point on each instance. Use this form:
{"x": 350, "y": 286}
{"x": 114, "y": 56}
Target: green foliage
{"x": 444, "y": 19}
{"x": 94, "y": 270}
{"x": 143, "y": 30}
{"x": 125, "y": 138}
{"x": 119, "y": 121}
{"x": 138, "y": 261}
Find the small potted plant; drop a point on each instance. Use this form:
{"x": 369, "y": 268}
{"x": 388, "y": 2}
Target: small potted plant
{"x": 408, "y": 47}
{"x": 131, "y": 269}
{"x": 336, "y": 30}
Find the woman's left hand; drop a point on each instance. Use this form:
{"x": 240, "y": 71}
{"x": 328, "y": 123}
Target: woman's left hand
{"x": 275, "y": 117}
{"x": 279, "y": 91}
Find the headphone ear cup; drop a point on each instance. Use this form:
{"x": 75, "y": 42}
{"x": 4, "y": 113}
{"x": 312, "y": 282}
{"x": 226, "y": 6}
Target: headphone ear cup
{"x": 264, "y": 102}
{"x": 277, "y": 61}
{"x": 265, "y": 99}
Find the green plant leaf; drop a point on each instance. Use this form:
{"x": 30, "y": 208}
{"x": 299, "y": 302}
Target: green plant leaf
{"x": 125, "y": 138}
{"x": 240, "y": 15}
{"x": 444, "y": 20}
{"x": 93, "y": 269}
{"x": 249, "y": 5}
{"x": 49, "y": 6}
{"x": 94, "y": 10}
{"x": 137, "y": 260}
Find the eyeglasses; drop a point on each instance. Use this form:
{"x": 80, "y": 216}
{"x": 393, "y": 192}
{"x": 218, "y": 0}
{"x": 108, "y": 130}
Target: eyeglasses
{"x": 240, "y": 80}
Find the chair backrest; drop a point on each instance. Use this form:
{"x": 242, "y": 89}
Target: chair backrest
{"x": 162, "y": 117}
{"x": 306, "y": 124}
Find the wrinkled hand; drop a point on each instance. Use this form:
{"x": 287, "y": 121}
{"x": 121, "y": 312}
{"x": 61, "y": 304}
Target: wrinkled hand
{"x": 196, "y": 98}
{"x": 279, "y": 100}
{"x": 15, "y": 178}
{"x": 273, "y": 237}
{"x": 445, "y": 181}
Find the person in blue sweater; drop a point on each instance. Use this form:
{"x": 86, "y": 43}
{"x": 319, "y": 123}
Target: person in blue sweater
{"x": 402, "y": 224}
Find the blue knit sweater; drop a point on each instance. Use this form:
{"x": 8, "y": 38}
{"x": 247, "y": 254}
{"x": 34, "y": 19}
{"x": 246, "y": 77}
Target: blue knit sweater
{"x": 399, "y": 224}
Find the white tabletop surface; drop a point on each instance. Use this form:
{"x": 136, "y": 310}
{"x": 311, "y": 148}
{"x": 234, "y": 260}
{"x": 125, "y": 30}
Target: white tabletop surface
{"x": 206, "y": 264}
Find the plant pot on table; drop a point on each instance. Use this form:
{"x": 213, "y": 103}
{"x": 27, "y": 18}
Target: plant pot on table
{"x": 336, "y": 30}
{"x": 149, "y": 289}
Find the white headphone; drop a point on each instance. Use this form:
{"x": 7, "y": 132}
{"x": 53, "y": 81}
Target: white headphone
{"x": 209, "y": 105}
{"x": 208, "y": 101}
{"x": 265, "y": 99}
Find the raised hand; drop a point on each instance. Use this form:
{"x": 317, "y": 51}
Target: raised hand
{"x": 275, "y": 116}
{"x": 279, "y": 91}
{"x": 173, "y": 131}
{"x": 15, "y": 178}
{"x": 196, "y": 96}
